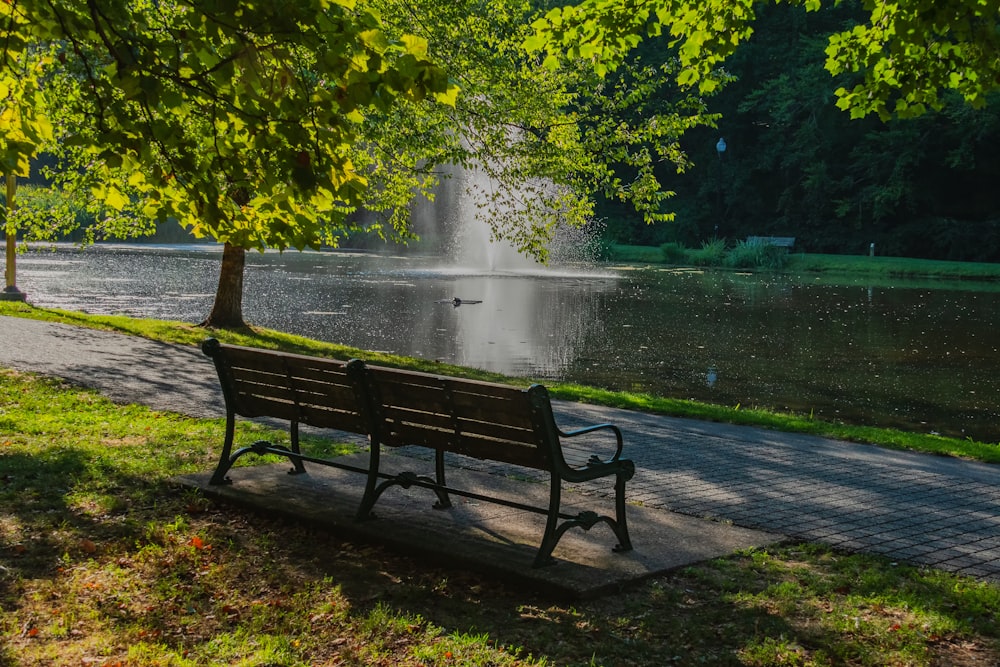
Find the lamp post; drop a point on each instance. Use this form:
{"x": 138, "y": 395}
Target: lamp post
{"x": 11, "y": 292}
{"x": 720, "y": 148}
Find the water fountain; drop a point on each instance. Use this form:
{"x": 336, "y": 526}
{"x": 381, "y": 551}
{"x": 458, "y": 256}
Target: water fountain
{"x": 456, "y": 225}
{"x": 525, "y": 322}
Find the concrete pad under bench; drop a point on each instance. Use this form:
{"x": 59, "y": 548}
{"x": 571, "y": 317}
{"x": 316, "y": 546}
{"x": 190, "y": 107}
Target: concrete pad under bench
{"x": 481, "y": 536}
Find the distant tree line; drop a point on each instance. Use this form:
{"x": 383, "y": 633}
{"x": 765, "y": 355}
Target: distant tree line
{"x": 796, "y": 165}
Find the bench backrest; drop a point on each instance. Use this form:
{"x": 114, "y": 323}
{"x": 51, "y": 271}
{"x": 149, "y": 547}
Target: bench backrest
{"x": 396, "y": 407}
{"x": 478, "y": 419}
{"x": 310, "y": 390}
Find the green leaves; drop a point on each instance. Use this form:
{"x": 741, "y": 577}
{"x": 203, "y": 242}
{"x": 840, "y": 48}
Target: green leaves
{"x": 202, "y": 110}
{"x": 604, "y": 31}
{"x": 24, "y": 127}
{"x": 912, "y": 53}
{"x": 548, "y": 140}
{"x": 909, "y": 53}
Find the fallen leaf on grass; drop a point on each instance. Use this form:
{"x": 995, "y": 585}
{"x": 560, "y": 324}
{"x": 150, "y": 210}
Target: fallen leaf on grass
{"x": 199, "y": 543}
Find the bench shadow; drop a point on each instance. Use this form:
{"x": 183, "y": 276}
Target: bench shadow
{"x": 272, "y": 557}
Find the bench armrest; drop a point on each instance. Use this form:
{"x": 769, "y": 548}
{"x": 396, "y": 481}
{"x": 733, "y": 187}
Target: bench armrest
{"x": 597, "y": 427}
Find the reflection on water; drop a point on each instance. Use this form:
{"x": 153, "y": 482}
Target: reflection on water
{"x": 922, "y": 359}
{"x": 916, "y": 357}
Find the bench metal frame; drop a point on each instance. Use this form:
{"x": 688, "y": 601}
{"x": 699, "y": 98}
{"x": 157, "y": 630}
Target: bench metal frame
{"x": 395, "y": 408}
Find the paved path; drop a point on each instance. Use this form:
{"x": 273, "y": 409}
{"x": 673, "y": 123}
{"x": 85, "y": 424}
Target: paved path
{"x": 917, "y": 508}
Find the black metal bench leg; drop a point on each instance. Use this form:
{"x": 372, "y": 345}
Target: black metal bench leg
{"x": 621, "y": 525}
{"x": 444, "y": 502}
{"x": 293, "y": 432}
{"x": 225, "y": 460}
{"x": 371, "y": 495}
{"x": 552, "y": 534}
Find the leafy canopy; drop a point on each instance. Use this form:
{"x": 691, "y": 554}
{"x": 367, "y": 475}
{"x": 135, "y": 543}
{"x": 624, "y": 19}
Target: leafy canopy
{"x": 909, "y": 53}
{"x": 547, "y": 139}
{"x": 235, "y": 118}
{"x": 22, "y": 127}
{"x": 265, "y": 124}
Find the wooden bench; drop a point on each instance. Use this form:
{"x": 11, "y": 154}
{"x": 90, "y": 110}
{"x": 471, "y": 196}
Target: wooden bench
{"x": 776, "y": 241}
{"x": 397, "y": 408}
{"x": 290, "y": 387}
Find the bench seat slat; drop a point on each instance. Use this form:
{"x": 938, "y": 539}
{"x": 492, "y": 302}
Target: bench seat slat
{"x": 254, "y": 405}
{"x": 246, "y": 362}
{"x": 402, "y": 434}
{"x": 291, "y": 390}
{"x": 513, "y": 410}
{"x": 338, "y": 420}
{"x": 511, "y": 426}
{"x": 320, "y": 394}
{"x": 506, "y": 405}
{"x": 516, "y": 454}
{"x": 500, "y": 412}
{"x": 392, "y": 435}
{"x": 498, "y": 431}
{"x": 418, "y": 379}
{"x": 503, "y": 416}
{"x": 290, "y": 377}
{"x": 336, "y": 375}
{"x": 283, "y": 396}
{"x": 428, "y": 420}
{"x": 425, "y": 402}
{"x": 319, "y": 415}
{"x": 290, "y": 383}
{"x": 276, "y": 392}
{"x": 253, "y": 356}
{"x": 471, "y": 445}
{"x": 257, "y": 376}
{"x": 280, "y": 376}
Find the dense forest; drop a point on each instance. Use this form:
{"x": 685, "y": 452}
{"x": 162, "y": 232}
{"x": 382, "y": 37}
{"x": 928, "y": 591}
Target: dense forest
{"x": 796, "y": 165}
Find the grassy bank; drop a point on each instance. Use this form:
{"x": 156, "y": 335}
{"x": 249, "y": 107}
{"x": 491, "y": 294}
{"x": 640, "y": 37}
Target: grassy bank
{"x": 896, "y": 267}
{"x": 187, "y": 334}
{"x": 104, "y": 562}
{"x": 856, "y": 266}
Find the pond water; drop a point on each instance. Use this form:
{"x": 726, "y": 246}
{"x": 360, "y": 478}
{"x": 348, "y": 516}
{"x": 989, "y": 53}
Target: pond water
{"x": 922, "y": 357}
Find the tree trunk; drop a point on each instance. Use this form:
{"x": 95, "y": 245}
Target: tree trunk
{"x": 10, "y": 236}
{"x": 227, "y": 311}
{"x": 10, "y": 292}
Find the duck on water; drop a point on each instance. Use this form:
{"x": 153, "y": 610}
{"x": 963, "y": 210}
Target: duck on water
{"x": 456, "y": 302}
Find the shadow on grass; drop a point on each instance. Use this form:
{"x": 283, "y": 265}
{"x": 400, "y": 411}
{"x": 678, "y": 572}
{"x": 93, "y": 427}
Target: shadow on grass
{"x": 94, "y": 556}
{"x": 101, "y": 559}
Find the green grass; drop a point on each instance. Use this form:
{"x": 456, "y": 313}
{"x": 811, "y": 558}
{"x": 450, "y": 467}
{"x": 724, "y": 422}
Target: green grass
{"x": 188, "y": 334}
{"x": 855, "y": 267}
{"x": 104, "y": 562}
{"x": 897, "y": 267}
{"x": 890, "y": 438}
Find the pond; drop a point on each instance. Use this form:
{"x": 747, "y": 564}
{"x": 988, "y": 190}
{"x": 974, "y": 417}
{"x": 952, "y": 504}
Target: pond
{"x": 918, "y": 356}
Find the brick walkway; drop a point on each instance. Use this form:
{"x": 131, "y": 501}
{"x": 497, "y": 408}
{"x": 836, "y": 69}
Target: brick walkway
{"x": 916, "y": 508}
